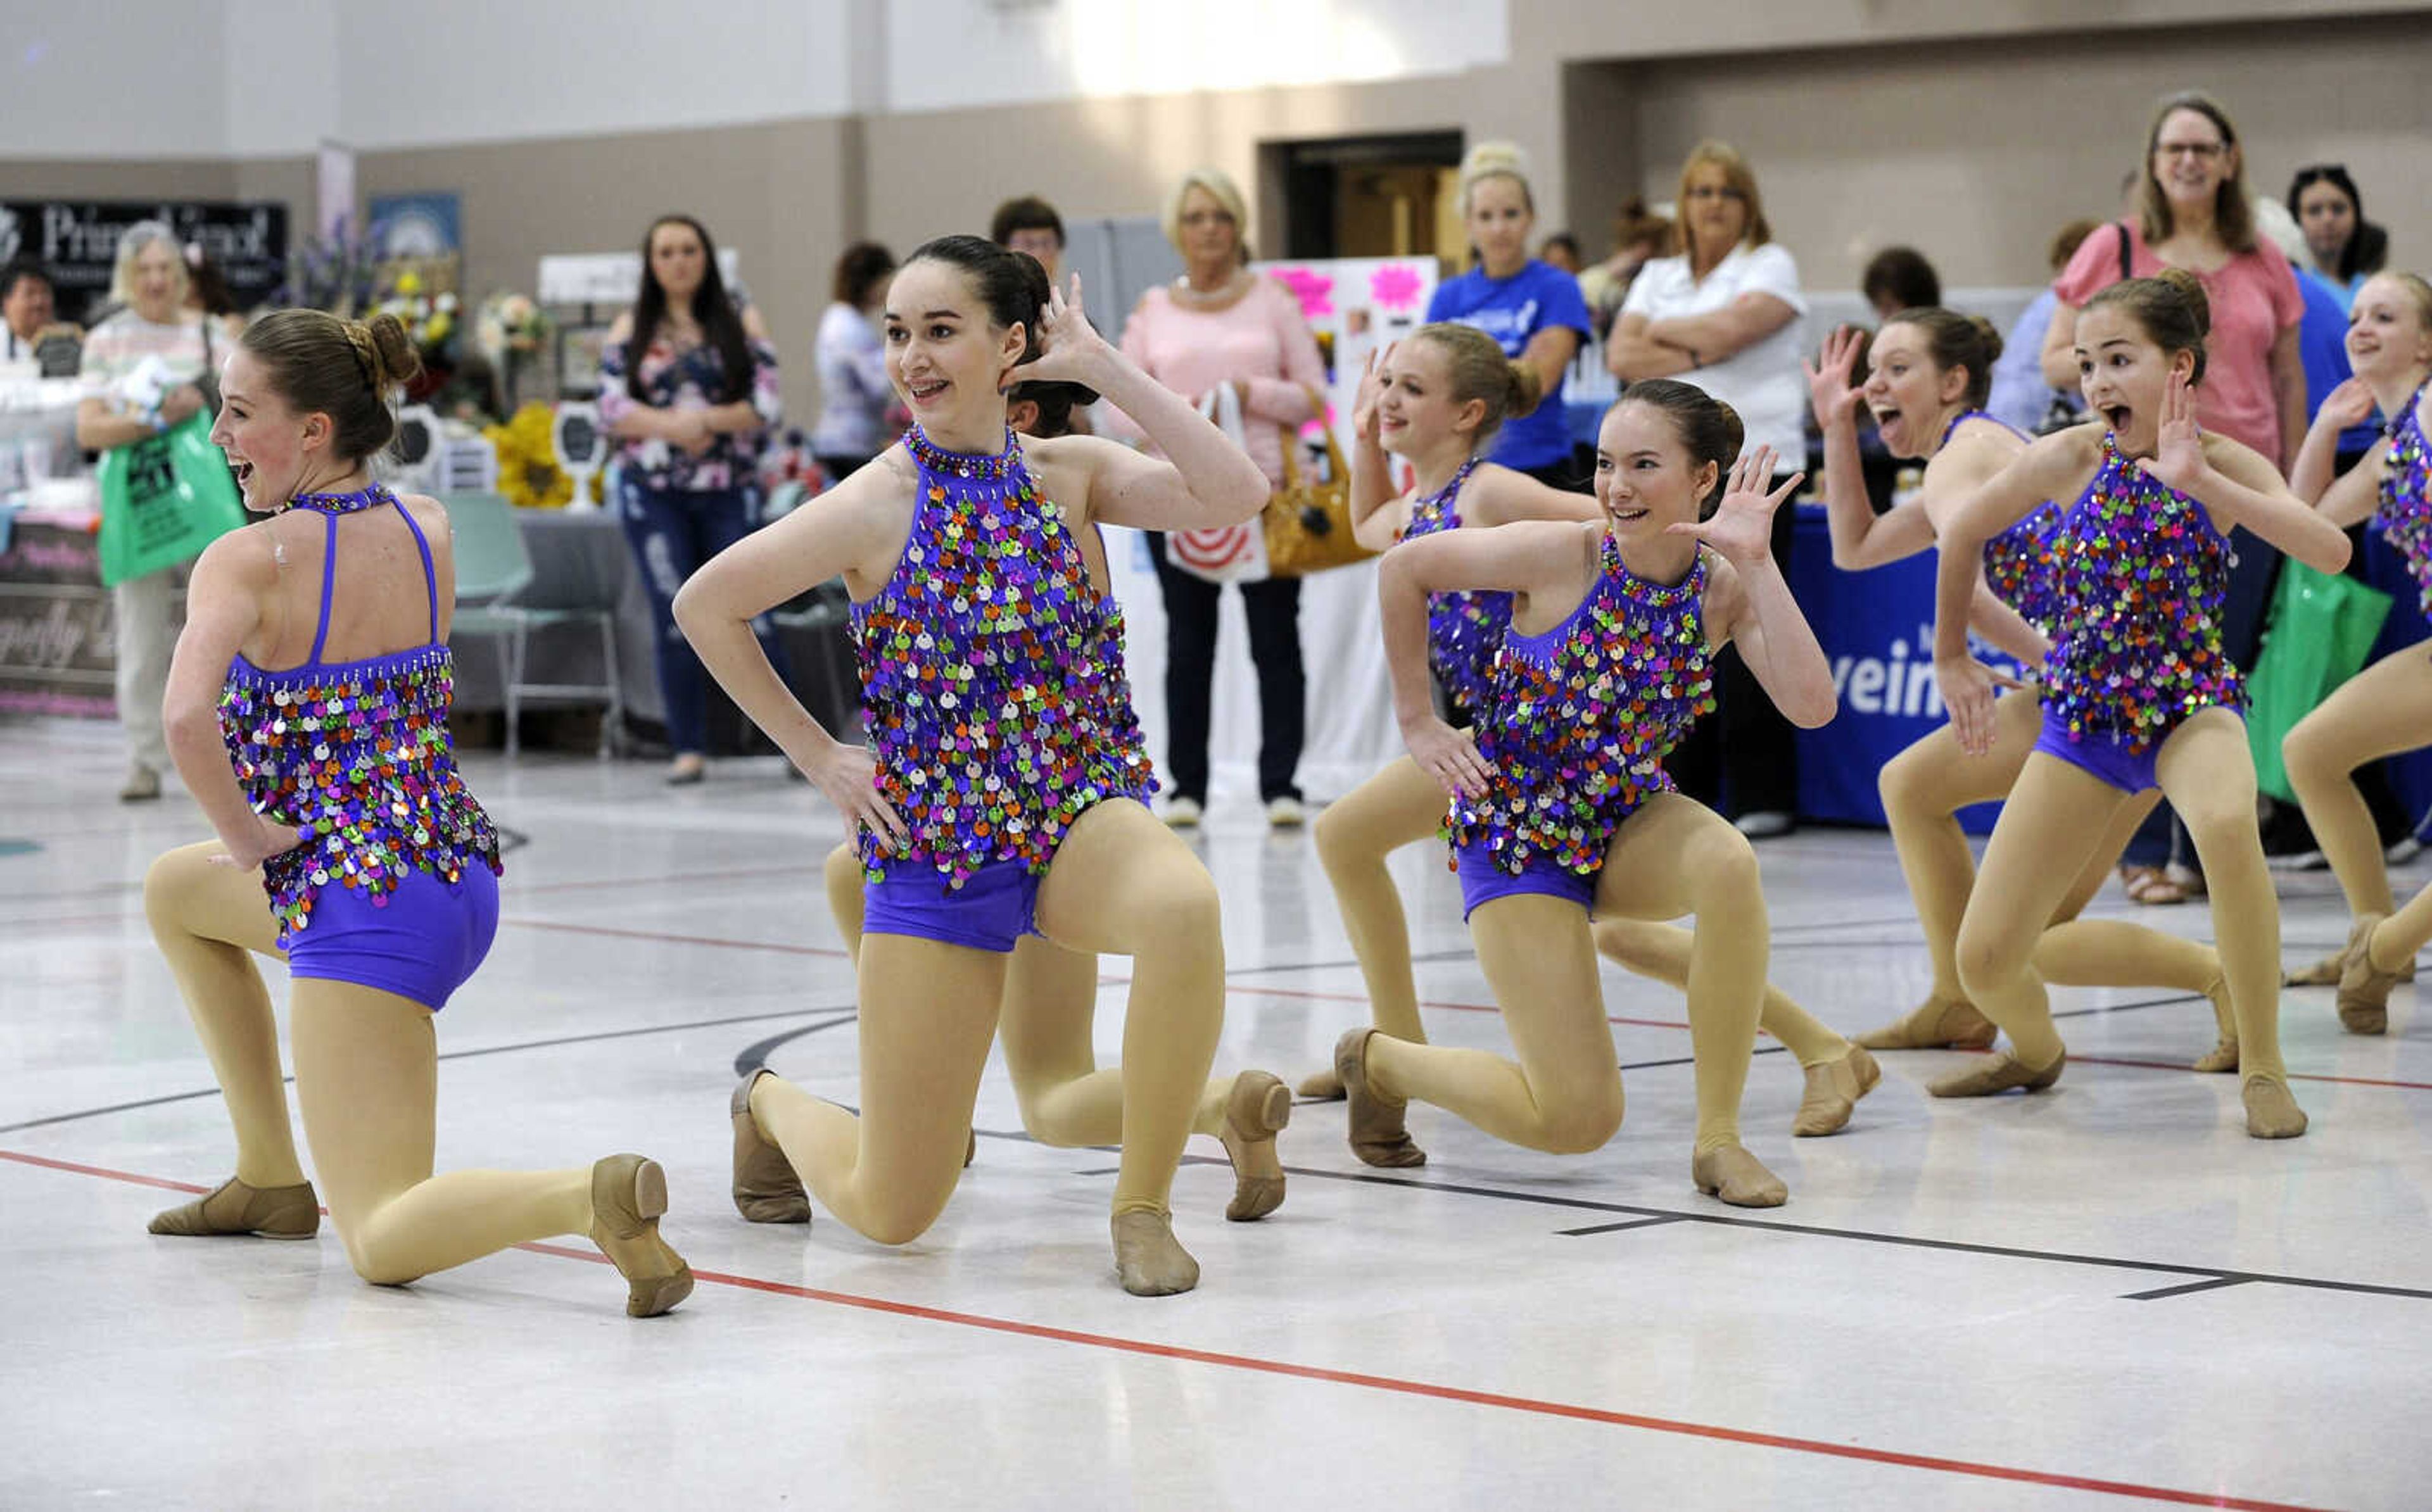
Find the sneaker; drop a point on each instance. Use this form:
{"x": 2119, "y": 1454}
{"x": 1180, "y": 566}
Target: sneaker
{"x": 2297, "y": 861}
{"x": 2407, "y": 850}
{"x": 142, "y": 784}
{"x": 1762, "y": 825}
{"x": 1286, "y": 813}
{"x": 1182, "y": 813}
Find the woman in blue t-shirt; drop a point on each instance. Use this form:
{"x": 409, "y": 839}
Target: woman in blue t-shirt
{"x": 1533, "y": 310}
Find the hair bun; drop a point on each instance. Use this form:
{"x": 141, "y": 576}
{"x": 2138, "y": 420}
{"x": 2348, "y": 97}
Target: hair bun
{"x": 1990, "y": 335}
{"x": 2190, "y": 291}
{"x": 1527, "y": 390}
{"x": 388, "y": 351}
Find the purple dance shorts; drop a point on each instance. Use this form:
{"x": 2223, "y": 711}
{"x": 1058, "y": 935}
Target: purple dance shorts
{"x": 422, "y": 944}
{"x": 994, "y": 908}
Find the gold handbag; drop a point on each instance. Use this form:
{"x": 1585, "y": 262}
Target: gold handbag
{"x": 1307, "y": 521}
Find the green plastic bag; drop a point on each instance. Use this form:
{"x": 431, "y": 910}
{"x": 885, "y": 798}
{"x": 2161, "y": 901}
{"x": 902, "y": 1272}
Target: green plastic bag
{"x": 163, "y": 499}
{"x": 2321, "y": 630}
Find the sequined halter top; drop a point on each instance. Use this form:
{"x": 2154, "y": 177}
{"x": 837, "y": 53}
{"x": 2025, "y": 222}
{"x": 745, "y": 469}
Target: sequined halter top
{"x": 2141, "y": 576}
{"x": 993, "y": 689}
{"x": 355, "y": 755}
{"x": 1465, "y": 626}
{"x": 2404, "y": 514}
{"x": 1583, "y": 716}
{"x": 2021, "y": 565}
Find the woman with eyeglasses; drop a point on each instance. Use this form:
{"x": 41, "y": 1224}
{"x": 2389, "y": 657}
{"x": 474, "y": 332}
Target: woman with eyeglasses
{"x": 1723, "y": 313}
{"x": 2347, "y": 248}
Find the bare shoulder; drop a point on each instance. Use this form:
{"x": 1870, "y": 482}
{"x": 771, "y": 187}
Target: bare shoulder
{"x": 243, "y": 559}
{"x": 2240, "y": 462}
{"x": 621, "y": 328}
{"x": 754, "y": 325}
{"x": 1980, "y": 449}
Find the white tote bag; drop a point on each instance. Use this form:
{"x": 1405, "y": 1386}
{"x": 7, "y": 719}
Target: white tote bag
{"x": 1223, "y": 553}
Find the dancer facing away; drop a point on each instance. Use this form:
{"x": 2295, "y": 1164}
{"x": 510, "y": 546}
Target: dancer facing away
{"x": 1929, "y": 373}
{"x": 1000, "y": 794}
{"x": 1435, "y": 401}
{"x": 2387, "y": 708}
{"x": 2137, "y": 692}
{"x": 1561, "y": 806}
{"x": 308, "y": 713}
{"x": 1051, "y": 993}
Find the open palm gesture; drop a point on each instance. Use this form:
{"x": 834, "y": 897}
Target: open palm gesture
{"x": 1833, "y": 377}
{"x": 1372, "y": 388}
{"x": 1069, "y": 348}
{"x": 2178, "y": 458}
{"x": 1742, "y": 526}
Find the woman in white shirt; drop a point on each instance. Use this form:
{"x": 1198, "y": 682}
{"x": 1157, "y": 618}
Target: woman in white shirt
{"x": 1724, "y": 313}
{"x": 853, "y": 391}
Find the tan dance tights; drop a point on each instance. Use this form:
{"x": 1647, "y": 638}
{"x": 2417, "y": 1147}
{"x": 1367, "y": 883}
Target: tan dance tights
{"x": 2382, "y": 711}
{"x": 1122, "y": 885}
{"x": 2058, "y": 820}
{"x": 1923, "y": 789}
{"x": 366, "y": 1075}
{"x": 1563, "y": 1094}
{"x": 1401, "y": 805}
{"x": 1048, "y": 1014}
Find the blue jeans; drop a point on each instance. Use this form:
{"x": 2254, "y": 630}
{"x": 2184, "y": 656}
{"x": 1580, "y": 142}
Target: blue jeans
{"x": 672, "y": 532}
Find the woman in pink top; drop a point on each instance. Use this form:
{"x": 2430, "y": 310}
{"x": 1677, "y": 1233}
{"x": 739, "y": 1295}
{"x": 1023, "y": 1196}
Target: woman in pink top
{"x": 1216, "y": 324}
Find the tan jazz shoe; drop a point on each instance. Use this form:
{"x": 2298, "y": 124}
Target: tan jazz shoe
{"x": 2271, "y": 1111}
{"x": 1149, "y": 1261}
{"x": 766, "y": 1189}
{"x": 2325, "y": 973}
{"x": 1256, "y": 1109}
{"x": 1938, "y": 1023}
{"x": 238, "y": 1211}
{"x": 2364, "y": 989}
{"x": 1379, "y": 1135}
{"x": 629, "y": 1195}
{"x": 1737, "y": 1177}
{"x": 1321, "y": 1086}
{"x": 1834, "y": 1089}
{"x": 1999, "y": 1073}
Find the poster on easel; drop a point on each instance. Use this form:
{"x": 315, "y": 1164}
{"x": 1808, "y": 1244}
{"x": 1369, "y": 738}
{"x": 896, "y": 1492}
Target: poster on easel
{"x": 1355, "y": 306}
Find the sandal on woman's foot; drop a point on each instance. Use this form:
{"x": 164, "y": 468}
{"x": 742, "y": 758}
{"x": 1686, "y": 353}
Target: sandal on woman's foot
{"x": 238, "y": 1211}
{"x": 1936, "y": 1023}
{"x": 766, "y": 1190}
{"x": 629, "y": 1193}
{"x": 1737, "y": 1177}
{"x": 1149, "y": 1261}
{"x": 2150, "y": 885}
{"x": 1834, "y": 1089}
{"x": 2223, "y": 1055}
{"x": 1379, "y": 1135}
{"x": 2364, "y": 987}
{"x": 1998, "y": 1074}
{"x": 1321, "y": 1086}
{"x": 2271, "y": 1111}
{"x": 1256, "y": 1111}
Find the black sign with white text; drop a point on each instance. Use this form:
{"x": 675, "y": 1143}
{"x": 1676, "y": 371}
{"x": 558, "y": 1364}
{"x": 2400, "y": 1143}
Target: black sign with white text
{"x": 79, "y": 239}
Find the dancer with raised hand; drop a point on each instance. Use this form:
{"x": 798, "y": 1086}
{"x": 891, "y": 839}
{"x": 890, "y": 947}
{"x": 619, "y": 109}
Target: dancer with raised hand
{"x": 2388, "y": 707}
{"x": 1435, "y": 401}
{"x": 999, "y": 794}
{"x": 1562, "y": 808}
{"x": 2137, "y": 692}
{"x": 1929, "y": 371}
{"x": 1051, "y": 993}
{"x": 307, "y": 714}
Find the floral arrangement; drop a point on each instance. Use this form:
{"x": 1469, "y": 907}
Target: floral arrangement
{"x": 428, "y": 317}
{"x": 529, "y": 475}
{"x": 339, "y": 273}
{"x": 509, "y": 324}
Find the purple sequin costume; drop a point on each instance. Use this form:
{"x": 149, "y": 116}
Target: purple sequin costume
{"x": 2021, "y": 565}
{"x": 355, "y": 755}
{"x": 2141, "y": 575}
{"x": 1581, "y": 716}
{"x": 2406, "y": 513}
{"x": 993, "y": 687}
{"x": 1465, "y": 626}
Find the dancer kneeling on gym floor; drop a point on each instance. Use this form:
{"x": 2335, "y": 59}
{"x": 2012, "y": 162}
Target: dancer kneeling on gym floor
{"x": 1562, "y": 808}
{"x": 1000, "y": 793}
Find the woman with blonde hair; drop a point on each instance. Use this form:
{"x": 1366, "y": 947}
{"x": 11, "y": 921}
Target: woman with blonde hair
{"x": 1533, "y": 310}
{"x": 152, "y": 332}
{"x": 1723, "y": 313}
{"x": 1220, "y": 326}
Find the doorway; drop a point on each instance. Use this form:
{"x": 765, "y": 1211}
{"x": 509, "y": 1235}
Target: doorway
{"x": 1370, "y": 197}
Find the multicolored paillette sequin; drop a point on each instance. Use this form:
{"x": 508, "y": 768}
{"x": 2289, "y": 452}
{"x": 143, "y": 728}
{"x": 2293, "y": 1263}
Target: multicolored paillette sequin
{"x": 992, "y": 681}
{"x": 2141, "y": 576}
{"x": 2021, "y": 564}
{"x": 2406, "y": 513}
{"x": 1581, "y": 717}
{"x": 1466, "y": 627}
{"x": 356, "y": 756}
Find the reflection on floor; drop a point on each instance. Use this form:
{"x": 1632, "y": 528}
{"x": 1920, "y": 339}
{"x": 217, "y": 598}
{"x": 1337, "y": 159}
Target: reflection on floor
{"x": 2104, "y": 1292}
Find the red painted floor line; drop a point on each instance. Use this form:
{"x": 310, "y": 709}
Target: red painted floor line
{"x": 2293, "y": 1076}
{"x": 1353, "y": 1378}
{"x": 1462, "y": 1007}
{"x": 674, "y": 939}
{"x": 665, "y": 879}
